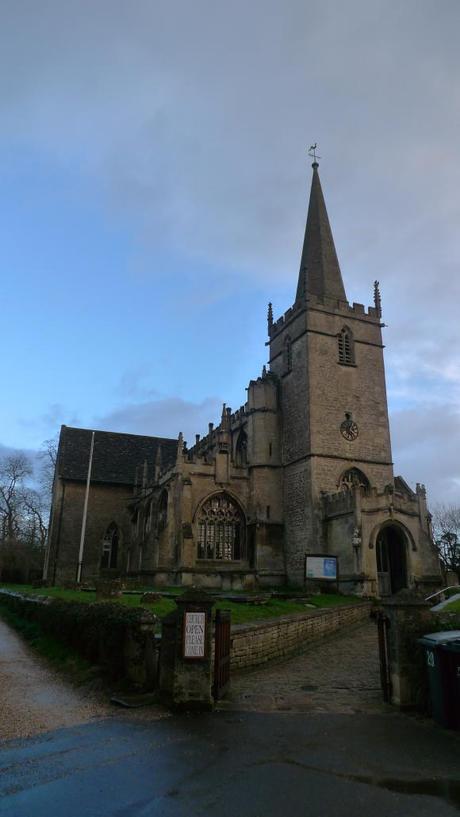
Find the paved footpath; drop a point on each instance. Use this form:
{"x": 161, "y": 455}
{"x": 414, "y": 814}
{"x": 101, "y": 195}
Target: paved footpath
{"x": 337, "y": 674}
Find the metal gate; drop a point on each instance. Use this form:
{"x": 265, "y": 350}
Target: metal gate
{"x": 222, "y": 653}
{"x": 385, "y": 678}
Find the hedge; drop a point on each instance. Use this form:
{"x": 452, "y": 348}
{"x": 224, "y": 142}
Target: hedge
{"x": 117, "y": 638}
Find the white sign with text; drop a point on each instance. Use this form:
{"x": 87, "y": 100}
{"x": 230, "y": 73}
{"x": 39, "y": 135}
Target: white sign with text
{"x": 194, "y": 635}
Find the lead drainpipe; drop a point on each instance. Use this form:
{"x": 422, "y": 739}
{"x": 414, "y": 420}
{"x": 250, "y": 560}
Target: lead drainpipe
{"x": 85, "y": 511}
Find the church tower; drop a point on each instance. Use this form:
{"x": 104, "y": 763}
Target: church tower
{"x": 328, "y": 357}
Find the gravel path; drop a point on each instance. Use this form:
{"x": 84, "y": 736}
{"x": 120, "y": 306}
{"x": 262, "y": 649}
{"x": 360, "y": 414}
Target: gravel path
{"x": 33, "y": 698}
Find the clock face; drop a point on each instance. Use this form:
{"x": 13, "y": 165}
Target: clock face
{"x": 349, "y": 429}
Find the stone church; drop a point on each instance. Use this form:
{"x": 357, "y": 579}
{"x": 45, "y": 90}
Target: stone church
{"x": 304, "y": 466}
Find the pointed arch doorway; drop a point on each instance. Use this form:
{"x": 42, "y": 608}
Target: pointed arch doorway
{"x": 391, "y": 547}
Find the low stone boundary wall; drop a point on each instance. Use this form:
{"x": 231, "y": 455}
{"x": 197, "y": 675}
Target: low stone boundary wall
{"x": 254, "y": 644}
{"x": 121, "y": 640}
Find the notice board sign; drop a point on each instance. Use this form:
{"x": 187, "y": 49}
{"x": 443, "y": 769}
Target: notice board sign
{"x": 319, "y": 566}
{"x": 194, "y": 635}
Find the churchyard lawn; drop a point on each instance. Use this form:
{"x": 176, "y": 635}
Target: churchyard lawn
{"x": 242, "y": 613}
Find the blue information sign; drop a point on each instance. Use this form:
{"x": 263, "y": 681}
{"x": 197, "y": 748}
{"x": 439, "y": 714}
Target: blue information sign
{"x": 318, "y": 566}
{"x": 330, "y": 568}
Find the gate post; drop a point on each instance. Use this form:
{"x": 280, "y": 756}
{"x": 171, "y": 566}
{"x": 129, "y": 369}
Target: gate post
{"x": 186, "y": 653}
{"x": 222, "y": 651}
{"x": 408, "y": 617}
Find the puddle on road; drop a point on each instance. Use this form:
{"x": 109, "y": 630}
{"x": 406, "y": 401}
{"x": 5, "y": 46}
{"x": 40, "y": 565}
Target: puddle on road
{"x": 447, "y": 789}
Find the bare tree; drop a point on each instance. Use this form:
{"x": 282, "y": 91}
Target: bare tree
{"x": 23, "y": 511}
{"x": 35, "y": 511}
{"x": 48, "y": 458}
{"x": 14, "y": 471}
{"x": 446, "y": 533}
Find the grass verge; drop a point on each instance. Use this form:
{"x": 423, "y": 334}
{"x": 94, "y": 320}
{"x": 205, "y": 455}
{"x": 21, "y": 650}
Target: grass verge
{"x": 453, "y": 607}
{"x": 62, "y": 658}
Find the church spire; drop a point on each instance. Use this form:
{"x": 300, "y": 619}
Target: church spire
{"x": 319, "y": 267}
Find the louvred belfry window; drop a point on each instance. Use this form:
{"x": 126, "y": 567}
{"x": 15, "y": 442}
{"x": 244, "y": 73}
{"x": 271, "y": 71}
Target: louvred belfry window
{"x": 221, "y": 530}
{"x": 346, "y": 347}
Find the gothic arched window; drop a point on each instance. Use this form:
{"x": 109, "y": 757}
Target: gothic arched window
{"x": 147, "y": 519}
{"x": 221, "y": 530}
{"x": 110, "y": 544}
{"x": 163, "y": 511}
{"x": 353, "y": 478}
{"x": 241, "y": 450}
{"x": 287, "y": 353}
{"x": 346, "y": 347}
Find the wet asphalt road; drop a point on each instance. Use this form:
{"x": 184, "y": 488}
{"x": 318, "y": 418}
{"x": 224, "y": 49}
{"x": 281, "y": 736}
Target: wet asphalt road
{"x": 328, "y": 749}
{"x": 226, "y": 763}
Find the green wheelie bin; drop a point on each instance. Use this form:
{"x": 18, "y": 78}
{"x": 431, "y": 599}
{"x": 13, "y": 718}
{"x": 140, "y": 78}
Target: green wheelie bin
{"x": 439, "y": 663}
{"x": 452, "y": 653}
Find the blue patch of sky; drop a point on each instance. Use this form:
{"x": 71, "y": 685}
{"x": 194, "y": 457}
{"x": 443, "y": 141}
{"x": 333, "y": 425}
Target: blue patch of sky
{"x": 85, "y": 307}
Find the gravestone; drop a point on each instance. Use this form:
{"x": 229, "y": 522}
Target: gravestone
{"x": 108, "y": 589}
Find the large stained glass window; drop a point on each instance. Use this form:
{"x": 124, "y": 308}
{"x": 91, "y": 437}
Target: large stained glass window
{"x": 221, "y": 530}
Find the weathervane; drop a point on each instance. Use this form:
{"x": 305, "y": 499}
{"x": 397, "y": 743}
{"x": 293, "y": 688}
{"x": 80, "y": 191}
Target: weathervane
{"x": 312, "y": 153}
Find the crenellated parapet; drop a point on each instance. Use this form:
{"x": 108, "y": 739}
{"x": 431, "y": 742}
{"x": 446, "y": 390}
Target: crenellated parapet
{"x": 343, "y": 501}
{"x": 262, "y": 397}
{"x": 276, "y": 326}
{"x": 343, "y": 308}
{"x": 337, "y": 503}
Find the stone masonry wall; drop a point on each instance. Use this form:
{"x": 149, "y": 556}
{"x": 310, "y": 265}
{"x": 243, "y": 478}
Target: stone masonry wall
{"x": 298, "y": 519}
{"x": 254, "y": 644}
{"x": 107, "y": 504}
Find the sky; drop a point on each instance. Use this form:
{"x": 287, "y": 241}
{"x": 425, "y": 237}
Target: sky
{"x": 155, "y": 181}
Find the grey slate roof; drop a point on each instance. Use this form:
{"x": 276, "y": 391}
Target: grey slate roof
{"x": 319, "y": 266}
{"x": 115, "y": 455}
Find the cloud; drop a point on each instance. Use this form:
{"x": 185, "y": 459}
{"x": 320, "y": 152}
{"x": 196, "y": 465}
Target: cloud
{"x": 47, "y": 423}
{"x": 163, "y": 418}
{"x": 32, "y": 455}
{"x": 194, "y": 119}
{"x": 425, "y": 449}
{"x": 133, "y": 384}
{"x": 191, "y": 120}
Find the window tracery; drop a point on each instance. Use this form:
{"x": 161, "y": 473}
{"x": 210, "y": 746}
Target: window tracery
{"x": 110, "y": 547}
{"x": 163, "y": 511}
{"x": 221, "y": 530}
{"x": 353, "y": 477}
{"x": 147, "y": 520}
{"x": 241, "y": 450}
